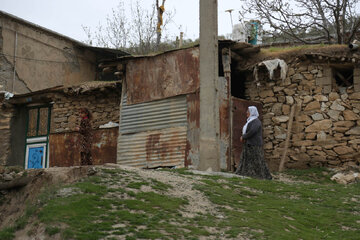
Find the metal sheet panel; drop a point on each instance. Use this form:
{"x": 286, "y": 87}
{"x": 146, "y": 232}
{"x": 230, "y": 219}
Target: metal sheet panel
{"x": 162, "y": 76}
{"x": 239, "y": 108}
{"x": 160, "y": 114}
{"x": 64, "y": 148}
{"x": 151, "y": 149}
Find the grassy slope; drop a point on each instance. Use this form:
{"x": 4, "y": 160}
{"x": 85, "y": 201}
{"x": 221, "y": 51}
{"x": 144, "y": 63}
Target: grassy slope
{"x": 111, "y": 204}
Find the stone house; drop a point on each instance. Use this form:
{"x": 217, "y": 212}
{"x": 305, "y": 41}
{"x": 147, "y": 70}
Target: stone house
{"x": 315, "y": 107}
{"x": 43, "y": 123}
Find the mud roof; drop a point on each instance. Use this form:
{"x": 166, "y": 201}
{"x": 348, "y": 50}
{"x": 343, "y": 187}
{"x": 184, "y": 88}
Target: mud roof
{"x": 79, "y": 44}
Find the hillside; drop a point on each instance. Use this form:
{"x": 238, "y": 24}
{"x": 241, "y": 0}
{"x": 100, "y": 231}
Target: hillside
{"x": 114, "y": 202}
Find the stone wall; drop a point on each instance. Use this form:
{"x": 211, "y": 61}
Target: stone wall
{"x": 326, "y": 127}
{"x": 6, "y": 114}
{"x": 103, "y": 106}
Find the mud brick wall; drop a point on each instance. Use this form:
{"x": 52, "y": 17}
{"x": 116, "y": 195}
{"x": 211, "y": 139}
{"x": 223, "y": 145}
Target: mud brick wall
{"x": 6, "y": 114}
{"x": 326, "y": 127}
{"x": 103, "y": 106}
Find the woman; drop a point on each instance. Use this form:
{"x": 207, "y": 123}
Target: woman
{"x": 252, "y": 161}
{"x": 85, "y": 137}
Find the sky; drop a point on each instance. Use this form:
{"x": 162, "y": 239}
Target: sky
{"x": 68, "y": 16}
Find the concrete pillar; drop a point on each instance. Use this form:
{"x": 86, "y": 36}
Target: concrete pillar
{"x": 209, "y": 105}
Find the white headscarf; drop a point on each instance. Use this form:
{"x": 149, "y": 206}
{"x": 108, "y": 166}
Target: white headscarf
{"x": 253, "y": 115}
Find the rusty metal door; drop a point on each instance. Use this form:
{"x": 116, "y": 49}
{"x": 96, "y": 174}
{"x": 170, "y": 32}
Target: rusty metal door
{"x": 239, "y": 108}
{"x": 153, "y": 134}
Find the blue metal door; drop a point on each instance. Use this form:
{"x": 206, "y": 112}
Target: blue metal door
{"x": 36, "y": 157}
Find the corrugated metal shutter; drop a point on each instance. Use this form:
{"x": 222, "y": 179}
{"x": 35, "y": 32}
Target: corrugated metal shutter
{"x": 165, "y": 113}
{"x": 153, "y": 134}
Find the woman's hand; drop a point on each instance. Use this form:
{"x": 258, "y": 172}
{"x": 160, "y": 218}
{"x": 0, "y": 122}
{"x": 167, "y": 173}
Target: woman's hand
{"x": 77, "y": 129}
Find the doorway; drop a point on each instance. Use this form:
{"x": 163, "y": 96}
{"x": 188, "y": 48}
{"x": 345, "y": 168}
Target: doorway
{"x": 37, "y": 137}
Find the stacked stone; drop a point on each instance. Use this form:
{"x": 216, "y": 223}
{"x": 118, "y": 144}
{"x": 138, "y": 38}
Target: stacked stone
{"x": 6, "y": 114}
{"x": 326, "y": 127}
{"x": 103, "y": 106}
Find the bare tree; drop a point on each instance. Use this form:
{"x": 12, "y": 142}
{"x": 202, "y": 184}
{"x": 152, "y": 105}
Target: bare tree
{"x": 335, "y": 21}
{"x": 138, "y": 34}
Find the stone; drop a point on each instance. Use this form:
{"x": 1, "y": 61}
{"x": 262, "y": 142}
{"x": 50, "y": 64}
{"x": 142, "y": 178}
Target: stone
{"x": 337, "y": 106}
{"x": 346, "y": 124}
{"x": 285, "y": 109}
{"x": 300, "y": 157}
{"x": 340, "y": 129}
{"x": 321, "y": 136}
{"x": 303, "y": 143}
{"x": 291, "y": 71}
{"x": 302, "y": 68}
{"x": 298, "y": 136}
{"x": 308, "y": 99}
{"x": 344, "y": 96}
{"x": 298, "y": 76}
{"x": 277, "y": 89}
{"x": 333, "y": 96}
{"x": 280, "y": 119}
{"x": 266, "y": 93}
{"x": 319, "y": 126}
{"x": 333, "y": 114}
{"x": 289, "y": 100}
{"x": 302, "y": 118}
{"x": 321, "y": 98}
{"x": 281, "y": 99}
{"x": 8, "y": 177}
{"x": 317, "y": 116}
{"x": 345, "y": 178}
{"x": 354, "y": 131}
{"x": 355, "y": 96}
{"x": 342, "y": 150}
{"x": 308, "y": 76}
{"x": 308, "y": 122}
{"x": 314, "y": 105}
{"x": 289, "y": 92}
{"x": 268, "y": 146}
{"x": 310, "y": 136}
{"x": 270, "y": 100}
{"x": 350, "y": 115}
{"x": 277, "y": 108}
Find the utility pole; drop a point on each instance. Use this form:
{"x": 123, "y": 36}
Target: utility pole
{"x": 230, "y": 11}
{"x": 209, "y": 75}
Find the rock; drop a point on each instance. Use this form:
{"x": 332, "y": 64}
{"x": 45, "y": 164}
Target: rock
{"x": 289, "y": 100}
{"x": 341, "y": 150}
{"x": 277, "y": 108}
{"x": 354, "y": 131}
{"x": 355, "y": 96}
{"x": 308, "y": 76}
{"x": 303, "y": 143}
{"x": 268, "y": 146}
{"x": 289, "y": 92}
{"x": 291, "y": 71}
{"x": 347, "y": 124}
{"x": 298, "y": 76}
{"x": 314, "y": 105}
{"x": 319, "y": 126}
{"x": 8, "y": 177}
{"x": 344, "y": 96}
{"x": 321, "y": 136}
{"x": 270, "y": 100}
{"x": 340, "y": 129}
{"x": 310, "y": 136}
{"x": 279, "y": 132}
{"x": 300, "y": 157}
{"x": 277, "y": 89}
{"x": 345, "y": 178}
{"x": 337, "y": 106}
{"x": 350, "y": 115}
{"x": 280, "y": 119}
{"x": 324, "y": 106}
{"x": 317, "y": 116}
{"x": 285, "y": 109}
{"x": 321, "y": 98}
{"x": 333, "y": 114}
{"x": 302, "y": 118}
{"x": 266, "y": 93}
{"x": 333, "y": 96}
{"x": 308, "y": 99}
